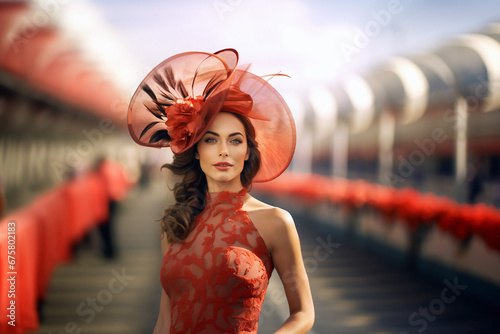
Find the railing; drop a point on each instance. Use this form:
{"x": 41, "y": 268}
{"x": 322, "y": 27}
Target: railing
{"x": 36, "y": 238}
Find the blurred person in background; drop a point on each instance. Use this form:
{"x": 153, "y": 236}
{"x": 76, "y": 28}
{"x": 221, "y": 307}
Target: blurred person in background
{"x": 227, "y": 128}
{"x": 496, "y": 191}
{"x": 474, "y": 182}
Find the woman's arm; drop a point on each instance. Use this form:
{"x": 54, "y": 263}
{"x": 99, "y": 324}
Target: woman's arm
{"x": 287, "y": 259}
{"x": 163, "y": 323}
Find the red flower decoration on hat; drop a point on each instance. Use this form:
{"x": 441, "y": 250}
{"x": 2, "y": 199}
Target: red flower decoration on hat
{"x": 182, "y": 118}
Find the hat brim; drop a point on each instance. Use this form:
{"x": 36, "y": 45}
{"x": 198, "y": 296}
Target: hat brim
{"x": 273, "y": 123}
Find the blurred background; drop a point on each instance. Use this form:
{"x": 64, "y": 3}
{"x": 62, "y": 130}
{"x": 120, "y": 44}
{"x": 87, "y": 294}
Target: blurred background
{"x": 397, "y": 161}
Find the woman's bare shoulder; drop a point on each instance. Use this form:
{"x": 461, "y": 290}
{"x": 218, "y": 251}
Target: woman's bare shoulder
{"x": 273, "y": 223}
{"x": 265, "y": 214}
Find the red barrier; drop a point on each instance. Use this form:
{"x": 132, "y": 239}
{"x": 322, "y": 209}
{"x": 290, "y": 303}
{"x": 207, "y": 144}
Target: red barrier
{"x": 41, "y": 235}
{"x": 410, "y": 206}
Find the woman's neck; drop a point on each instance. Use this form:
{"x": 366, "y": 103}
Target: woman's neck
{"x": 215, "y": 187}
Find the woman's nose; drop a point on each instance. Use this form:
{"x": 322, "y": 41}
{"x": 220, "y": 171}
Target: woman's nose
{"x": 223, "y": 151}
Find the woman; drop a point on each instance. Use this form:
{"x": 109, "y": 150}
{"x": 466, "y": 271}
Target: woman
{"x": 227, "y": 128}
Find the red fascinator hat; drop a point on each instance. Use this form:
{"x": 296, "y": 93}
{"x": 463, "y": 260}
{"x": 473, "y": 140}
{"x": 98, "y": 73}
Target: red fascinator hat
{"x": 178, "y": 100}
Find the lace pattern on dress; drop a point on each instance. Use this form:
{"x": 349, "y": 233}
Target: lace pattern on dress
{"x": 218, "y": 278}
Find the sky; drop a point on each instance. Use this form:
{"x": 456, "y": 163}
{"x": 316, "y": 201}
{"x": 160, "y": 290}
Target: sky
{"x": 315, "y": 42}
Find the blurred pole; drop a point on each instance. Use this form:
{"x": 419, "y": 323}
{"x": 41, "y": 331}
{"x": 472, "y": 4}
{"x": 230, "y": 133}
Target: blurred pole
{"x": 340, "y": 150}
{"x": 461, "y": 149}
{"x": 302, "y": 160}
{"x": 304, "y": 154}
{"x": 387, "y": 126}
{"x": 325, "y": 110}
{"x": 362, "y": 98}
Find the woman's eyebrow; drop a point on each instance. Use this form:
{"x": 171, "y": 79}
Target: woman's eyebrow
{"x": 212, "y": 133}
{"x": 217, "y": 135}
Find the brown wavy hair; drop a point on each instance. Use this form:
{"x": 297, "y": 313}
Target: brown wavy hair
{"x": 190, "y": 192}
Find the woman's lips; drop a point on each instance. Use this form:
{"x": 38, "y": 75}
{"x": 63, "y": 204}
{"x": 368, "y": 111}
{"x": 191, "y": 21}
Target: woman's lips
{"x": 223, "y": 165}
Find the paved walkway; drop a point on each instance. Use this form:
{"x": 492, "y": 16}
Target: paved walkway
{"x": 357, "y": 292}
{"x": 354, "y": 291}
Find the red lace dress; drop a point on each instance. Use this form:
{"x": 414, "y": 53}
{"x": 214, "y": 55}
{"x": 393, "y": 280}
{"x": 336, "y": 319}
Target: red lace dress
{"x": 217, "y": 279}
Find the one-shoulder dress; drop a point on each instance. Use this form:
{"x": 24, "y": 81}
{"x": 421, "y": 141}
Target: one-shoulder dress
{"x": 216, "y": 280}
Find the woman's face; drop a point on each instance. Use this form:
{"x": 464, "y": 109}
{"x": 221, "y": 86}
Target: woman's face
{"x": 222, "y": 152}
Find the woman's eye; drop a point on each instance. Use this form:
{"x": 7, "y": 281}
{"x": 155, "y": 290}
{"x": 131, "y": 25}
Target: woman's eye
{"x": 236, "y": 141}
{"x": 210, "y": 140}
